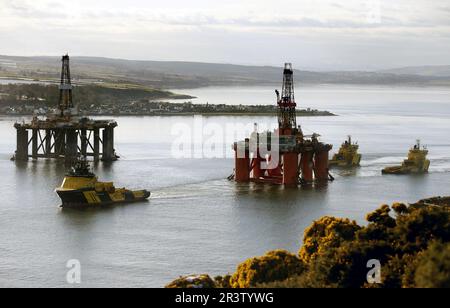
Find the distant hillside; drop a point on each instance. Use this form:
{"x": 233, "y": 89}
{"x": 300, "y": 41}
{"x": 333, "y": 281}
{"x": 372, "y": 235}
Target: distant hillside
{"x": 434, "y": 71}
{"x": 168, "y": 75}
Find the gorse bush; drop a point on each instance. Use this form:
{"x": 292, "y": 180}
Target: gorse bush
{"x": 431, "y": 268}
{"x": 326, "y": 233}
{"x": 274, "y": 266}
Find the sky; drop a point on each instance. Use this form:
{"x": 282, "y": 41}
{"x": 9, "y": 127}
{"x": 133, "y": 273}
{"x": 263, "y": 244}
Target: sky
{"x": 317, "y": 35}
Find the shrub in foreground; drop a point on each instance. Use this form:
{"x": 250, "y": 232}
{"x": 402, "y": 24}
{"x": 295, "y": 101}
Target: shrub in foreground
{"x": 276, "y": 265}
{"x": 412, "y": 244}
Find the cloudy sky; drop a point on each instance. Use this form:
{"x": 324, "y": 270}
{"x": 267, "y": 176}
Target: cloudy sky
{"x": 313, "y": 34}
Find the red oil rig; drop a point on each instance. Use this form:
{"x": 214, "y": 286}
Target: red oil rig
{"x": 286, "y": 156}
{"x": 63, "y": 134}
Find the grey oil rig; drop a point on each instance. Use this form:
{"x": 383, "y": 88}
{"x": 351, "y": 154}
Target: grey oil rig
{"x": 63, "y": 134}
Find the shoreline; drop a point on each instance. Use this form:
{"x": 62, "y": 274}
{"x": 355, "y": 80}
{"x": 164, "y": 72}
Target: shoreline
{"x": 189, "y": 114}
{"x": 418, "y": 85}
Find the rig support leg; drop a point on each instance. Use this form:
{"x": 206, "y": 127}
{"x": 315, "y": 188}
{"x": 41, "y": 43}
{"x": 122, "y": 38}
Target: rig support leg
{"x": 242, "y": 167}
{"x": 96, "y": 144}
{"x": 307, "y": 167}
{"x": 290, "y": 169}
{"x": 71, "y": 146}
{"x": 108, "y": 144}
{"x": 22, "y": 145}
{"x": 60, "y": 142}
{"x": 321, "y": 166}
{"x": 48, "y": 143}
{"x": 84, "y": 142}
{"x": 257, "y": 171}
{"x": 34, "y": 142}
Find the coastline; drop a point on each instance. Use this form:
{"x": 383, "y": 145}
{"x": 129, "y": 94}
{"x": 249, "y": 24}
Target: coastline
{"x": 190, "y": 114}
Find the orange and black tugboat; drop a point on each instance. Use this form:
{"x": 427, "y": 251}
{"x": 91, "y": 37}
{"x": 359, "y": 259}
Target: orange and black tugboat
{"x": 81, "y": 188}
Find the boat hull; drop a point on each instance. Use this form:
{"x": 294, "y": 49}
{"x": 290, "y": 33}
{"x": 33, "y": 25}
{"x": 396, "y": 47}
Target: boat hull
{"x": 402, "y": 170}
{"x": 82, "y": 198}
{"x": 353, "y": 161}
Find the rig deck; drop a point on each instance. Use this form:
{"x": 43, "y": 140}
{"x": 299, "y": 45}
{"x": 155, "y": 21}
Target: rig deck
{"x": 66, "y": 139}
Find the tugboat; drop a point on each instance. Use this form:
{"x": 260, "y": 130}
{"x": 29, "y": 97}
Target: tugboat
{"x": 347, "y": 156}
{"x": 417, "y": 162}
{"x": 81, "y": 189}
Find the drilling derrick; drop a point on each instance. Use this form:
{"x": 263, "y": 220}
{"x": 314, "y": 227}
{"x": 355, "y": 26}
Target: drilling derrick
{"x": 65, "y": 103}
{"x": 285, "y": 156}
{"x": 287, "y": 117}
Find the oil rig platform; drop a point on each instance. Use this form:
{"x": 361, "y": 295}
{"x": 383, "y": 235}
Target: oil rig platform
{"x": 301, "y": 159}
{"x": 63, "y": 134}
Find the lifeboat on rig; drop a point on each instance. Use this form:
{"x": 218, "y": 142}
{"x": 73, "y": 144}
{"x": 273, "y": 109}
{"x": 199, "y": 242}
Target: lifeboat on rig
{"x": 416, "y": 163}
{"x": 347, "y": 156}
{"x": 81, "y": 188}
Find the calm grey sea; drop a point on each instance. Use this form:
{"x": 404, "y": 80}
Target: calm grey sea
{"x": 197, "y": 221}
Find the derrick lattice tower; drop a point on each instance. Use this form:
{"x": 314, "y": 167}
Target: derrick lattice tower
{"x": 65, "y": 104}
{"x": 287, "y": 118}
